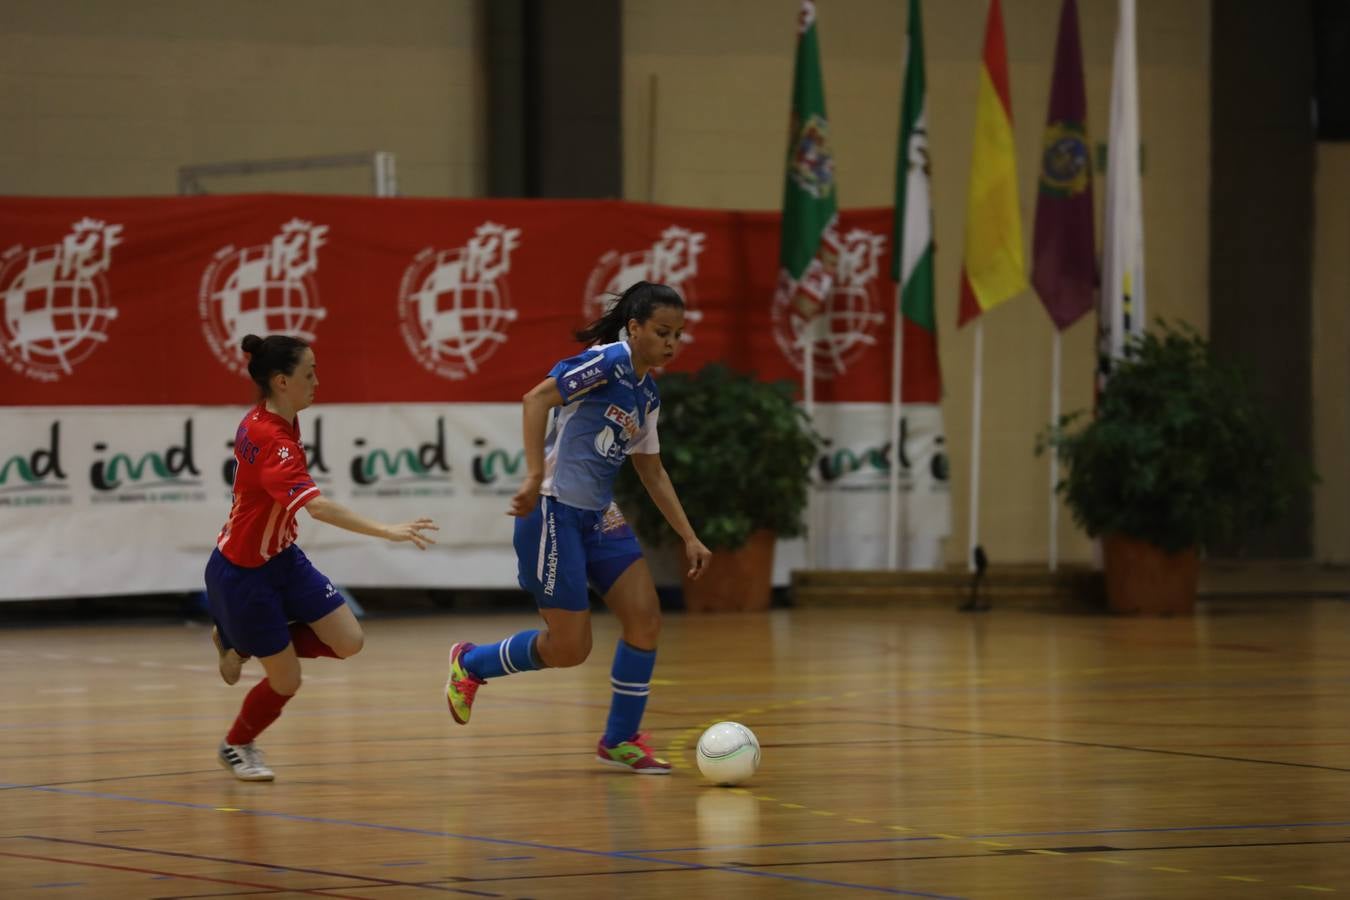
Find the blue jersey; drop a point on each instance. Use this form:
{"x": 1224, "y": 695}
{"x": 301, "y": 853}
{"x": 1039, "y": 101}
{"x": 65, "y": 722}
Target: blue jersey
{"x": 606, "y": 415}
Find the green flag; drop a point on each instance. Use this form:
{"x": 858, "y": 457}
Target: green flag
{"x": 912, "y": 236}
{"x": 809, "y": 244}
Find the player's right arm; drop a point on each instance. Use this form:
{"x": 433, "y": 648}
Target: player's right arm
{"x": 335, "y": 513}
{"x": 534, "y": 426}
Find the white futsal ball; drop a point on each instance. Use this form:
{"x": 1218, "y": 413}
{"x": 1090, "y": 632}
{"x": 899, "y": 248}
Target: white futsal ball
{"x": 728, "y": 753}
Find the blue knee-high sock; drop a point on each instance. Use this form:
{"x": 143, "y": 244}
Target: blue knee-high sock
{"x": 515, "y": 654}
{"x": 631, "y": 679}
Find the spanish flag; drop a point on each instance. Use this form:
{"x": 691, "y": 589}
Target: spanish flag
{"x": 992, "y": 267}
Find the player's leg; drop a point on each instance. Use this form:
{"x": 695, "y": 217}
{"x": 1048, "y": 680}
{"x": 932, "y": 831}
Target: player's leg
{"x": 321, "y": 622}
{"x": 551, "y": 565}
{"x": 229, "y": 660}
{"x": 619, "y": 572}
{"x": 262, "y": 705}
{"x": 245, "y": 601}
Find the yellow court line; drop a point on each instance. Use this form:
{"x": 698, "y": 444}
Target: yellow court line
{"x": 678, "y": 746}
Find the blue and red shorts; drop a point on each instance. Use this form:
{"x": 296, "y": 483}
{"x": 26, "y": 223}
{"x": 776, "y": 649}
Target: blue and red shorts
{"x": 253, "y": 608}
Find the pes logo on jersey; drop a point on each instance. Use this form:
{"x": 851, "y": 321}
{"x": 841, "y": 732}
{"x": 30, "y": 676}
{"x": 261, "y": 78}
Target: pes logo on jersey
{"x": 454, "y": 305}
{"x": 611, "y": 444}
{"x": 56, "y": 301}
{"x": 627, "y": 421}
{"x": 267, "y": 289}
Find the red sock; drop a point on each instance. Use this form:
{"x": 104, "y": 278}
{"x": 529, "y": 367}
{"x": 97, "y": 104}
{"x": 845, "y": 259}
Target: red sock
{"x": 261, "y": 707}
{"x": 307, "y": 644}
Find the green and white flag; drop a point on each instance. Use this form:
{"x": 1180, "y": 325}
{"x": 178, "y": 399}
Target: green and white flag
{"x": 912, "y": 261}
{"x": 912, "y": 235}
{"x": 809, "y": 244}
{"x": 917, "y": 525}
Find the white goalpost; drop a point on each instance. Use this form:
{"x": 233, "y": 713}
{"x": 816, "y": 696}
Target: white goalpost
{"x": 383, "y": 177}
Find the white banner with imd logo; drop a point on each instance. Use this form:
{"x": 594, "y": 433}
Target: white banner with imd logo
{"x": 121, "y": 500}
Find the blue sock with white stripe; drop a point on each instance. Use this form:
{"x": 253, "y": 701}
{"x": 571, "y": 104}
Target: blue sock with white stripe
{"x": 515, "y": 654}
{"x": 631, "y": 679}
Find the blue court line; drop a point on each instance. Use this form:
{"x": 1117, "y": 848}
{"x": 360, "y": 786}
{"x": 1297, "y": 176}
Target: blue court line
{"x": 1166, "y": 828}
{"x": 507, "y": 842}
{"x": 1003, "y": 834}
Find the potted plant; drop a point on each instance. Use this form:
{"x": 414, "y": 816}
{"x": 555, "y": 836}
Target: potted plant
{"x": 739, "y": 452}
{"x": 1180, "y": 456}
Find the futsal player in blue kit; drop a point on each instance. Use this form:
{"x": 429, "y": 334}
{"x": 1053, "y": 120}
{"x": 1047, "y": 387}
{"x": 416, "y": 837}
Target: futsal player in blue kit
{"x": 592, "y": 412}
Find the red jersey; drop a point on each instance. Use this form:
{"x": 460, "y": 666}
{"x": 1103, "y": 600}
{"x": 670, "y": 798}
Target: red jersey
{"x": 271, "y": 486}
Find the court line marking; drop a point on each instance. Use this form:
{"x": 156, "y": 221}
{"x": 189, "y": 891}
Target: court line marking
{"x": 678, "y": 747}
{"x": 236, "y": 883}
{"x": 371, "y": 881}
{"x": 482, "y": 839}
{"x": 1007, "y": 834}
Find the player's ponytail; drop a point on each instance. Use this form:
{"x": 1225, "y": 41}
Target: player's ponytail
{"x": 270, "y": 355}
{"x": 638, "y": 302}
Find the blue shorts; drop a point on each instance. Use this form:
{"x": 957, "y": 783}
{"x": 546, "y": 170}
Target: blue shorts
{"x": 559, "y": 548}
{"x": 253, "y": 608}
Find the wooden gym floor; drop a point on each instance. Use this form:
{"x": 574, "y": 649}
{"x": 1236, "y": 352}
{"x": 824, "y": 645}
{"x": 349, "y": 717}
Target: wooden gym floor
{"x": 911, "y": 751}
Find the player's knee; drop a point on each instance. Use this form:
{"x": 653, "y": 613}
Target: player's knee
{"x": 286, "y": 685}
{"x": 349, "y": 645}
{"x": 570, "y": 652}
{"x": 644, "y": 629}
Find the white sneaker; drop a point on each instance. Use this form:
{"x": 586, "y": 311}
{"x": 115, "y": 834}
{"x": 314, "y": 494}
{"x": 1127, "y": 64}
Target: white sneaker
{"x": 231, "y": 663}
{"x": 246, "y": 761}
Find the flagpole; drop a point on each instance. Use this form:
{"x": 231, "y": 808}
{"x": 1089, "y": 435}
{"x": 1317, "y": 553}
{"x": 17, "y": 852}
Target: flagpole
{"x": 976, "y": 402}
{"x": 1055, "y": 353}
{"x": 897, "y": 523}
{"x": 809, "y": 403}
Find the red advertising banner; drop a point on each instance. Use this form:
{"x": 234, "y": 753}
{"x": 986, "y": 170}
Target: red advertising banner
{"x": 144, "y": 301}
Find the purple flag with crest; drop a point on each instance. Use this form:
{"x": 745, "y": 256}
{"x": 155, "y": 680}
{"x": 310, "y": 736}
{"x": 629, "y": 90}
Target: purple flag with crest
{"x": 1064, "y": 255}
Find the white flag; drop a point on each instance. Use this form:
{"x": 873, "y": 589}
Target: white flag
{"x": 1122, "y": 311}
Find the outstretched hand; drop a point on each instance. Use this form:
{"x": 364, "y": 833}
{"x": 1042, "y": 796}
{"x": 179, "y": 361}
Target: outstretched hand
{"x": 699, "y": 557}
{"x": 412, "y": 531}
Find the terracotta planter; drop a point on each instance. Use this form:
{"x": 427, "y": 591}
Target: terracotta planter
{"x": 1142, "y": 579}
{"x": 736, "y": 580}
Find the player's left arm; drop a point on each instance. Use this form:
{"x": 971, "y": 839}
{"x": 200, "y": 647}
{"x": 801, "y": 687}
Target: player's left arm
{"x": 334, "y": 513}
{"x": 657, "y": 482}
{"x": 535, "y": 409}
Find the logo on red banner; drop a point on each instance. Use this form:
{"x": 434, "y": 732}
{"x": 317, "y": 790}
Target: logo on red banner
{"x": 847, "y": 322}
{"x": 56, "y": 301}
{"x": 262, "y": 290}
{"x": 454, "y": 305}
{"x": 672, "y": 260}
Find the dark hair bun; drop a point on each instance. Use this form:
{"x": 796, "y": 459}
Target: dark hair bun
{"x": 250, "y": 343}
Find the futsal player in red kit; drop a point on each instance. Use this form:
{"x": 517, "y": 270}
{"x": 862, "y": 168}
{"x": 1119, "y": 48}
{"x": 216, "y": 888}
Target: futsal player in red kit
{"x": 266, "y": 598}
